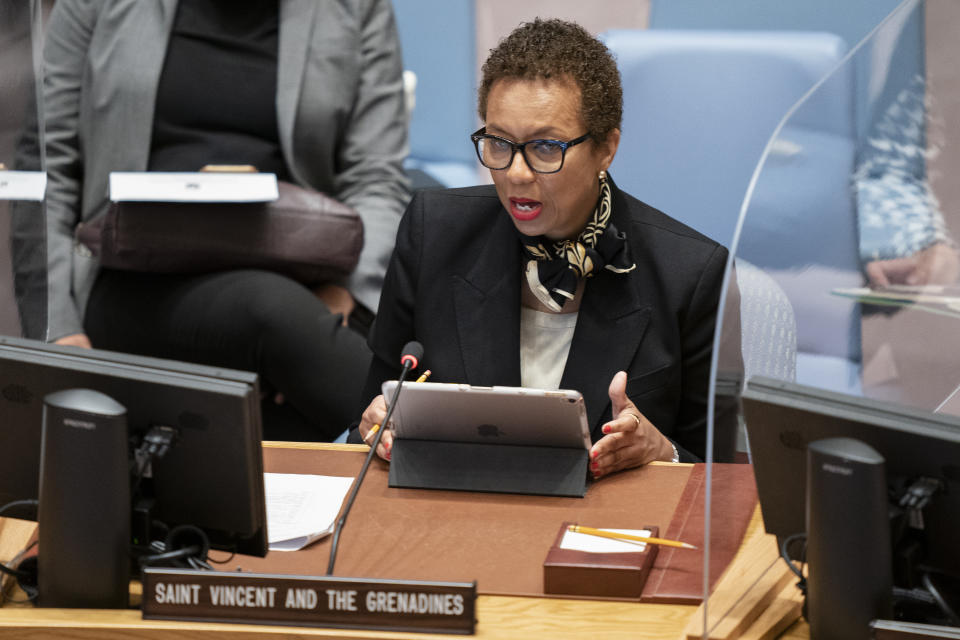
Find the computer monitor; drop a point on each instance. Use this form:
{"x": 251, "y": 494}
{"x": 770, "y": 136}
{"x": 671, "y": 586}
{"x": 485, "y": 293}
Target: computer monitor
{"x": 782, "y": 418}
{"x": 212, "y": 477}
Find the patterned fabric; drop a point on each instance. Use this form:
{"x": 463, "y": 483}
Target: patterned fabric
{"x": 898, "y": 211}
{"x": 556, "y": 267}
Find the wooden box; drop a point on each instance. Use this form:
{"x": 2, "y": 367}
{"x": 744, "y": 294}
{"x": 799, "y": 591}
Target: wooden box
{"x": 605, "y": 575}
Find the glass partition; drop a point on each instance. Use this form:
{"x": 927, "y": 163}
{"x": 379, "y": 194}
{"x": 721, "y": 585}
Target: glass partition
{"x": 22, "y": 228}
{"x": 843, "y": 277}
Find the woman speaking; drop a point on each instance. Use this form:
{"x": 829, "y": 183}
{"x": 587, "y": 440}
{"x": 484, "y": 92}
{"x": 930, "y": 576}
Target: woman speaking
{"x": 553, "y": 277}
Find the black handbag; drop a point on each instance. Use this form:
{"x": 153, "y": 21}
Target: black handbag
{"x": 304, "y": 234}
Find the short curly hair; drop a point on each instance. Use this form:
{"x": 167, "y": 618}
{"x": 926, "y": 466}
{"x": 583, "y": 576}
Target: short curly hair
{"x": 557, "y": 49}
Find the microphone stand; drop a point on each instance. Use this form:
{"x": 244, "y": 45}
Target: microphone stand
{"x": 408, "y": 364}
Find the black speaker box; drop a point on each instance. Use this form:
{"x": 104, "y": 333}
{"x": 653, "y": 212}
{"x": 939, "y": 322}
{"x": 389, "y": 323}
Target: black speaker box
{"x": 848, "y": 540}
{"x": 84, "y": 513}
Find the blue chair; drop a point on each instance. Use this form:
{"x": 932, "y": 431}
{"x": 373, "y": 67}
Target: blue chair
{"x": 699, "y": 109}
{"x": 439, "y": 45}
{"x": 768, "y": 331}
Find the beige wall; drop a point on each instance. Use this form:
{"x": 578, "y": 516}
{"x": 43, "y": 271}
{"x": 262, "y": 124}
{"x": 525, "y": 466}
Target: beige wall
{"x": 496, "y": 18}
{"x": 943, "y": 88}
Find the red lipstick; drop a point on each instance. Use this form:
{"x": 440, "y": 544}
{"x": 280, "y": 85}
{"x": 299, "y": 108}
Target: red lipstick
{"x": 524, "y": 208}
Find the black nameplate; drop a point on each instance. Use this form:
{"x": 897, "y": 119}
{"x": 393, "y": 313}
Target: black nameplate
{"x": 352, "y": 603}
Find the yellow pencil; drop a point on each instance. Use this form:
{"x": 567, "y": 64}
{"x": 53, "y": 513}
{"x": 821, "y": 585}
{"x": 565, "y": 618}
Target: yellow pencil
{"x": 625, "y": 536}
{"x": 376, "y": 427}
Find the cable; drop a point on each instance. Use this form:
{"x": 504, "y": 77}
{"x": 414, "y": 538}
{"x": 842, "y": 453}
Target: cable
{"x": 169, "y": 556}
{"x": 10, "y": 571}
{"x": 335, "y": 540}
{"x": 32, "y": 594}
{"x": 155, "y": 444}
{"x": 185, "y": 546}
{"x": 28, "y": 581}
{"x": 920, "y": 492}
{"x": 20, "y": 503}
{"x": 913, "y": 596}
{"x": 940, "y": 600}
{"x": 785, "y": 554}
{"x": 409, "y": 359}
{"x": 199, "y": 565}
{"x": 225, "y": 560}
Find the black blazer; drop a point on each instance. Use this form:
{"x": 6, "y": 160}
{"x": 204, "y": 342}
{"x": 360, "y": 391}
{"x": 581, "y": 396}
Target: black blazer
{"x": 454, "y": 285}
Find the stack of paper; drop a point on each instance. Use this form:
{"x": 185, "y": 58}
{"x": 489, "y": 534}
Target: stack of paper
{"x": 936, "y": 299}
{"x": 301, "y": 508}
{"x": 586, "y": 542}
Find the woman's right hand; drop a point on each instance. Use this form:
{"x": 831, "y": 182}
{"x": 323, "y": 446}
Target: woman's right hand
{"x": 374, "y": 414}
{"x": 75, "y": 340}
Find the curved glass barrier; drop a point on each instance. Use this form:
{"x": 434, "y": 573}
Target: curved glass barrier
{"x": 23, "y": 262}
{"x": 844, "y": 303}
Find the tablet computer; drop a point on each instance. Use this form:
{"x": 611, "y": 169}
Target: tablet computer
{"x": 490, "y": 415}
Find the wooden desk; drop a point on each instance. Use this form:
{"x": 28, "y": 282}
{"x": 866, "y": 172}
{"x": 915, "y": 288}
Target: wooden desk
{"x": 499, "y": 617}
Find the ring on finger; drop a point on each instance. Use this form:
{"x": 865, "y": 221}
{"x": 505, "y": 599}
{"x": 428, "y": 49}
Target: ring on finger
{"x": 635, "y": 417}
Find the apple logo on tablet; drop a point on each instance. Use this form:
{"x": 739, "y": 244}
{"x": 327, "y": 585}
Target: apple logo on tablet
{"x": 489, "y": 431}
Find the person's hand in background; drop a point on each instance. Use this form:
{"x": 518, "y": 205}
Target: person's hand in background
{"x": 337, "y": 299}
{"x": 75, "y": 340}
{"x": 937, "y": 264}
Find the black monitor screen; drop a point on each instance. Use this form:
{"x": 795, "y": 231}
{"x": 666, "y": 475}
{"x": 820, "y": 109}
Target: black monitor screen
{"x": 212, "y": 477}
{"x": 783, "y": 417}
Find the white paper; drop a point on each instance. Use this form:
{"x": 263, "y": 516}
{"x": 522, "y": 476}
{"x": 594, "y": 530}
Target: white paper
{"x": 200, "y": 186}
{"x": 935, "y": 294}
{"x": 596, "y": 544}
{"x": 22, "y": 185}
{"x": 301, "y": 508}
{"x": 921, "y": 297}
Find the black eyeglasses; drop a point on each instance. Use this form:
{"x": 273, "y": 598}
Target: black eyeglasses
{"x": 545, "y": 156}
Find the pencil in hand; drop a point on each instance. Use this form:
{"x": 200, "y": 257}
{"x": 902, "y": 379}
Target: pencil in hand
{"x": 376, "y": 427}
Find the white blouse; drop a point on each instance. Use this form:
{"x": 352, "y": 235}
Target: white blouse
{"x": 545, "y": 340}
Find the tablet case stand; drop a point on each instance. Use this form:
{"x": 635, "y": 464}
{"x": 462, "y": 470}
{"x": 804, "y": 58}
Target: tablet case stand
{"x": 497, "y": 468}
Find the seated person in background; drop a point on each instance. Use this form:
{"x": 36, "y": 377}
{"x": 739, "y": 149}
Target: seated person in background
{"x": 904, "y": 238}
{"x": 307, "y": 90}
{"x": 552, "y": 277}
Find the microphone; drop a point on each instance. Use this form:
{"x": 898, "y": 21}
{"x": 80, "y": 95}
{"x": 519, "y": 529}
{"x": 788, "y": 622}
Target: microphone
{"x": 409, "y": 360}
{"x": 412, "y": 352}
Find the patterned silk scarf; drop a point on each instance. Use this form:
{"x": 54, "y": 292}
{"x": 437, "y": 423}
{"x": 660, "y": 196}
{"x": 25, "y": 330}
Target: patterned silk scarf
{"x": 555, "y": 267}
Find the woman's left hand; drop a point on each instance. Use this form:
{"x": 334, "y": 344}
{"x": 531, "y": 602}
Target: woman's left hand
{"x": 631, "y": 439}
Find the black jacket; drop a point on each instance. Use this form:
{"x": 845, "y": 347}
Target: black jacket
{"x": 454, "y": 285}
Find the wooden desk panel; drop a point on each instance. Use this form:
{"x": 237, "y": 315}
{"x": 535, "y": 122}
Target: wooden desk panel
{"x": 499, "y": 617}
{"x": 499, "y": 540}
